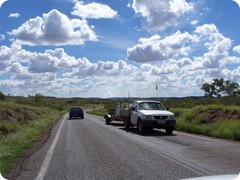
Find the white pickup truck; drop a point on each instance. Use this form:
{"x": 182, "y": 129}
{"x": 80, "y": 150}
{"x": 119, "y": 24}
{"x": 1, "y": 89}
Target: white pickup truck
{"x": 148, "y": 115}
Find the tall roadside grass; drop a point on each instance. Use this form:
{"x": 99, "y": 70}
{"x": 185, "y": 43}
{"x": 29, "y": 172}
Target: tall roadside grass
{"x": 213, "y": 120}
{"x": 20, "y": 127}
{"x": 98, "y": 111}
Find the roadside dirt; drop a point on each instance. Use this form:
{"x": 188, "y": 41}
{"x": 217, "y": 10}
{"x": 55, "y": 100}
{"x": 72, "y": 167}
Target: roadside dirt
{"x": 216, "y": 115}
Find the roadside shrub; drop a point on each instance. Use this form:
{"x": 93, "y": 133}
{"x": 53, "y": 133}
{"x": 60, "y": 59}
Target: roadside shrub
{"x": 227, "y": 129}
{"x": 177, "y": 112}
{"x": 2, "y": 96}
{"x": 7, "y": 127}
{"x": 110, "y": 105}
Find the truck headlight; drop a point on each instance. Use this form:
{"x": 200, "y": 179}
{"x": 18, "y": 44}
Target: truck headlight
{"x": 172, "y": 117}
{"x": 148, "y": 117}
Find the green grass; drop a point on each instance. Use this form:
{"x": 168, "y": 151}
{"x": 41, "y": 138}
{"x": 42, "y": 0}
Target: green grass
{"x": 98, "y": 111}
{"x": 225, "y": 123}
{"x": 20, "y": 126}
{"x": 227, "y": 129}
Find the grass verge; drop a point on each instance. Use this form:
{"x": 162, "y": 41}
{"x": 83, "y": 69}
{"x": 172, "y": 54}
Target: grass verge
{"x": 20, "y": 127}
{"x": 98, "y": 111}
{"x": 213, "y": 120}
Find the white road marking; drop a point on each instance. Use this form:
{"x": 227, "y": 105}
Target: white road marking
{"x": 222, "y": 141}
{"x": 43, "y": 170}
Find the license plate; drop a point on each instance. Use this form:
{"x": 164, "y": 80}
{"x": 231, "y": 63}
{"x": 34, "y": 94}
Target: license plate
{"x": 161, "y": 121}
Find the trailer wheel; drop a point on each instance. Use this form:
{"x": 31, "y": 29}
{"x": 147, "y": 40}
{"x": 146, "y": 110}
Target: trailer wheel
{"x": 127, "y": 123}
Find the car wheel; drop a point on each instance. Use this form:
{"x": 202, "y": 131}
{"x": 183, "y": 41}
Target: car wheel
{"x": 169, "y": 130}
{"x": 140, "y": 127}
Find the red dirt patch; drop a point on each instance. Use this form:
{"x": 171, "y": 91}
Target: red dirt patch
{"x": 215, "y": 115}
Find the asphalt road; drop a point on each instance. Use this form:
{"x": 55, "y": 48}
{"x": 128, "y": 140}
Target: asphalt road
{"x": 89, "y": 149}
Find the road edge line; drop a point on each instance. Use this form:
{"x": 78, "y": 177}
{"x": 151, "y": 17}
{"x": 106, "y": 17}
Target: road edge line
{"x": 47, "y": 159}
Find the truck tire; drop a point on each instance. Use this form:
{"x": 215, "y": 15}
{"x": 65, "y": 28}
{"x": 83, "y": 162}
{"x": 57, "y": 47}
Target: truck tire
{"x": 169, "y": 130}
{"x": 127, "y": 123}
{"x": 108, "y": 121}
{"x": 140, "y": 127}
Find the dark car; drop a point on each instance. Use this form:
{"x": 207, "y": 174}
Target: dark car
{"x": 76, "y": 113}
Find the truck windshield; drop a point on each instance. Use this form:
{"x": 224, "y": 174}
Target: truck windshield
{"x": 151, "y": 106}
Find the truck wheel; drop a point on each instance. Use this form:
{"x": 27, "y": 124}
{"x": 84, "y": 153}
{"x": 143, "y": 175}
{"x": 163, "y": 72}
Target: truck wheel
{"x": 107, "y": 121}
{"x": 126, "y": 123}
{"x": 140, "y": 127}
{"x": 169, "y": 130}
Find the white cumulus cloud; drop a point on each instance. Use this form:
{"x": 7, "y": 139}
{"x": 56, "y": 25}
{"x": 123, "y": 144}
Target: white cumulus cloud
{"x": 17, "y": 68}
{"x": 237, "y": 49}
{"x": 14, "y": 15}
{"x": 54, "y": 28}
{"x": 93, "y": 10}
{"x": 161, "y": 14}
{"x": 156, "y": 48}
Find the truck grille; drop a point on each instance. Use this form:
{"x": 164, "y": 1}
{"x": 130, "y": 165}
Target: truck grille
{"x": 160, "y": 117}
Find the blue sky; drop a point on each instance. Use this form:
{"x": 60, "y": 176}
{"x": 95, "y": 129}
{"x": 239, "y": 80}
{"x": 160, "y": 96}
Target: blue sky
{"x": 107, "y": 48}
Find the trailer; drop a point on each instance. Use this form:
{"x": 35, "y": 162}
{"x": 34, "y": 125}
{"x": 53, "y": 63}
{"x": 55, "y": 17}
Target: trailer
{"x": 118, "y": 113}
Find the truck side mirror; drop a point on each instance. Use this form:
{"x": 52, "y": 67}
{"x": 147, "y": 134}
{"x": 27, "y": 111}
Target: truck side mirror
{"x": 133, "y": 108}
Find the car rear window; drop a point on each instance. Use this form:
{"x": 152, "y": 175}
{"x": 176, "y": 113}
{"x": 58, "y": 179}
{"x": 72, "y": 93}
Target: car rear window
{"x": 76, "y": 109}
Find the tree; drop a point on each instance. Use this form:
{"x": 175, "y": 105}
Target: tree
{"x": 209, "y": 89}
{"x": 2, "y": 96}
{"x": 232, "y": 88}
{"x": 220, "y": 87}
{"x": 38, "y": 98}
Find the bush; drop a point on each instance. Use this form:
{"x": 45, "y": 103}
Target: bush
{"x": 2, "y": 96}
